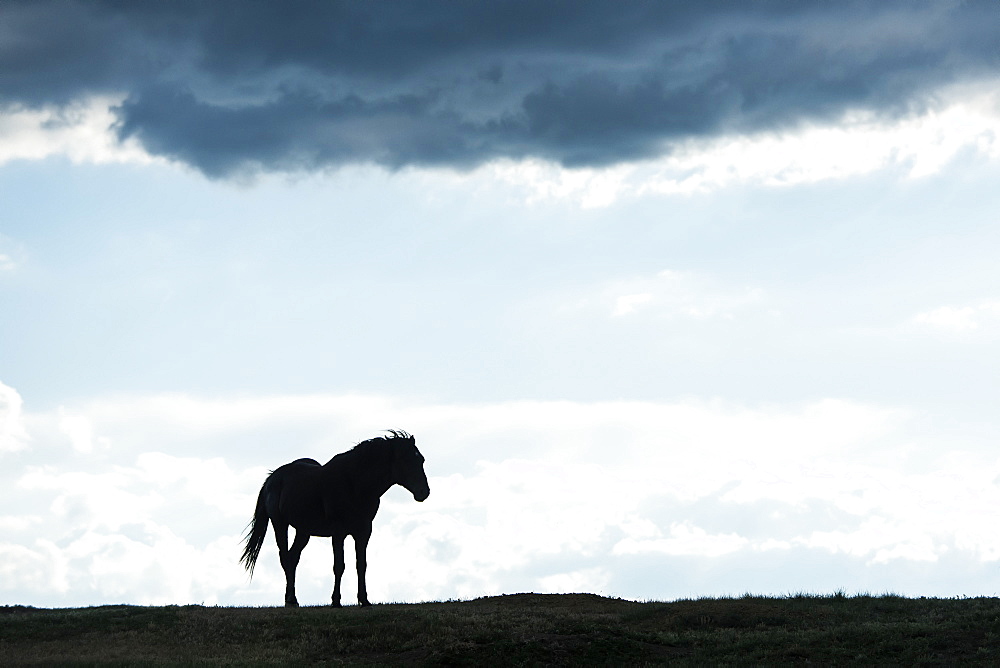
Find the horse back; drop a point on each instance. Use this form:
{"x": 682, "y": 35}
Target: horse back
{"x": 305, "y": 461}
{"x": 292, "y": 492}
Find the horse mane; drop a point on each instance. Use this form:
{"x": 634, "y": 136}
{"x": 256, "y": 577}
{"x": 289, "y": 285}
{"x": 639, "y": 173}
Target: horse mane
{"x": 378, "y": 446}
{"x": 395, "y": 434}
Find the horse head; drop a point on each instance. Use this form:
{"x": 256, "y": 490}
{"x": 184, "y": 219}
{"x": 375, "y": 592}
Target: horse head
{"x": 408, "y": 465}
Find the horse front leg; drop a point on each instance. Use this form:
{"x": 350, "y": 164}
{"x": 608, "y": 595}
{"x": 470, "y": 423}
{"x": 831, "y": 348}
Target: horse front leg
{"x": 290, "y": 561}
{"x": 338, "y": 569}
{"x": 361, "y": 555}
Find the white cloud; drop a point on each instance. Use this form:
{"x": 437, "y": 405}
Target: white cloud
{"x": 79, "y": 431}
{"x": 964, "y": 118}
{"x": 675, "y": 294}
{"x": 106, "y": 500}
{"x": 881, "y": 540}
{"x": 549, "y": 496}
{"x": 13, "y": 435}
{"x": 586, "y": 580}
{"x": 960, "y": 319}
{"x": 684, "y": 539}
{"x": 81, "y": 132}
{"x": 31, "y": 568}
{"x": 858, "y": 144}
{"x": 590, "y": 187}
{"x": 11, "y": 255}
{"x": 626, "y": 304}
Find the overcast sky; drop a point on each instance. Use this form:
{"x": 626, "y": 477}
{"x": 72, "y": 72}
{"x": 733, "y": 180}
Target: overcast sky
{"x": 679, "y": 299}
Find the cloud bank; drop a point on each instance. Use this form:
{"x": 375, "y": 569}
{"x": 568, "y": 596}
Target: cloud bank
{"x": 230, "y": 88}
{"x": 143, "y": 500}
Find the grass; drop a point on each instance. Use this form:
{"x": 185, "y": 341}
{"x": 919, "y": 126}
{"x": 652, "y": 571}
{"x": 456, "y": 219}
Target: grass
{"x": 520, "y": 629}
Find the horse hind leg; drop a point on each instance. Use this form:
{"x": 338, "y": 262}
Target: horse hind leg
{"x": 290, "y": 559}
{"x": 294, "y": 552}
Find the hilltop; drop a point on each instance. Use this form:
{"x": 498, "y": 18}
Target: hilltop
{"x": 535, "y": 629}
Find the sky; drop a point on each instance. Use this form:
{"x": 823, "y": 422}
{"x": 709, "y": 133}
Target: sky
{"x": 679, "y": 299}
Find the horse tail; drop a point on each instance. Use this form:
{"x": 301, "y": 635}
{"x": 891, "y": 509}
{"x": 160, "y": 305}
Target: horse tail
{"x": 256, "y": 531}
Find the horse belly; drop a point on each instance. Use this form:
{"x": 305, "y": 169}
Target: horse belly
{"x": 305, "y": 513}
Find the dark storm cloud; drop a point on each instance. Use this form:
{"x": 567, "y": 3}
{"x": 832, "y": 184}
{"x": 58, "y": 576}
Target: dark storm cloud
{"x": 234, "y": 87}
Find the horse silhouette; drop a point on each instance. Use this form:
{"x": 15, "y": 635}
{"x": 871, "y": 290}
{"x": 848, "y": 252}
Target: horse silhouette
{"x": 336, "y": 499}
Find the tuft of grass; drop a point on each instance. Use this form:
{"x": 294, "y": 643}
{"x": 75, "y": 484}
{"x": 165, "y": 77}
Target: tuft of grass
{"x": 520, "y": 629}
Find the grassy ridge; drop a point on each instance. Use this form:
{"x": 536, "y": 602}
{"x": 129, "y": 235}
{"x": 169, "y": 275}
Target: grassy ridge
{"x": 520, "y": 629}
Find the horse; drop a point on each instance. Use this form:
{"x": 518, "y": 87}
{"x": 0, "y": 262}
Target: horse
{"x": 336, "y": 499}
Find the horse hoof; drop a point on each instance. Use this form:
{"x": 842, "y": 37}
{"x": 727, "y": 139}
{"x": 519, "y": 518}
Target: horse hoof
{"x": 291, "y": 604}
{"x": 335, "y": 604}
{"x": 364, "y": 603}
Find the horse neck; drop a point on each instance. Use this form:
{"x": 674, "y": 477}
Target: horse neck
{"x": 369, "y": 476}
